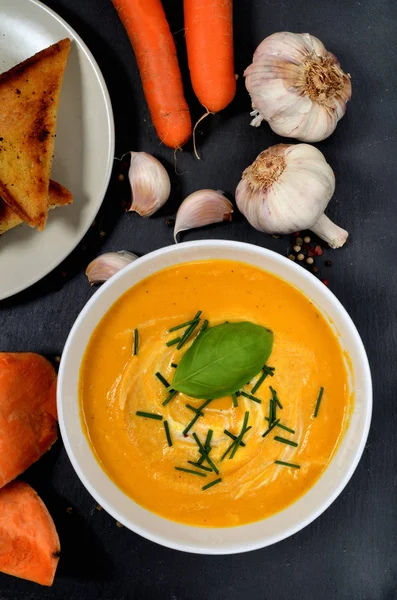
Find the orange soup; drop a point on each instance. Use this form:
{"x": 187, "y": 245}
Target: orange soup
{"x": 201, "y": 461}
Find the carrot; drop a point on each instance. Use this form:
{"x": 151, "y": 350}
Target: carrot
{"x": 155, "y": 52}
{"x": 209, "y": 41}
{"x": 28, "y": 417}
{"x": 29, "y": 543}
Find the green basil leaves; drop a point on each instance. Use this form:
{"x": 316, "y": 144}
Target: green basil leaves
{"x": 222, "y": 359}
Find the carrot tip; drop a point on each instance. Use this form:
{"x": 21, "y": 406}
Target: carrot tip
{"x": 194, "y": 131}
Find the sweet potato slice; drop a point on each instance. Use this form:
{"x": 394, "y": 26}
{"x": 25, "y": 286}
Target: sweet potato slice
{"x": 28, "y": 417}
{"x": 29, "y": 543}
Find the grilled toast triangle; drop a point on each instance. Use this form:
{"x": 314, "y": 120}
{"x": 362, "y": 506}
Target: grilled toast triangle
{"x": 29, "y": 100}
{"x": 57, "y": 196}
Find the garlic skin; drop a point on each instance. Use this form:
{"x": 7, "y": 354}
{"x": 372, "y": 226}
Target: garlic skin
{"x": 106, "y": 265}
{"x": 150, "y": 184}
{"x": 201, "y": 208}
{"x": 286, "y": 189}
{"x": 297, "y": 86}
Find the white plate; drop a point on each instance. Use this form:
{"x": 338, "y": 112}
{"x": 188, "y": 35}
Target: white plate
{"x": 84, "y": 146}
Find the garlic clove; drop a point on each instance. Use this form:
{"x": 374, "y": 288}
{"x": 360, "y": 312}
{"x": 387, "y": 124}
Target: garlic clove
{"x": 106, "y": 265}
{"x": 201, "y": 208}
{"x": 150, "y": 184}
{"x": 297, "y": 86}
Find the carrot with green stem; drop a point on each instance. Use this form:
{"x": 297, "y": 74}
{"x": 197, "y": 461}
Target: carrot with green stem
{"x": 209, "y": 41}
{"x": 149, "y": 33}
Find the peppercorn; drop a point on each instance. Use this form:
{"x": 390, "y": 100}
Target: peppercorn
{"x": 328, "y": 263}
{"x": 300, "y": 256}
{"x": 121, "y": 177}
{"x": 315, "y": 269}
{"x": 310, "y": 260}
{"x": 325, "y": 281}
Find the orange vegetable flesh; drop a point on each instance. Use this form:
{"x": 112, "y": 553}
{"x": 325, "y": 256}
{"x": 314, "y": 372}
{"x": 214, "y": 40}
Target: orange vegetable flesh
{"x": 148, "y": 30}
{"x": 28, "y": 415}
{"x": 29, "y": 543}
{"x": 134, "y": 451}
{"x": 209, "y": 41}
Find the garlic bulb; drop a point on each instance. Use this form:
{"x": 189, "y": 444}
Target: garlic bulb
{"x": 201, "y": 208}
{"x": 150, "y": 184}
{"x": 106, "y": 265}
{"x": 297, "y": 86}
{"x": 286, "y": 189}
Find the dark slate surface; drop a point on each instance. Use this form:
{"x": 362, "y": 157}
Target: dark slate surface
{"x": 349, "y": 553}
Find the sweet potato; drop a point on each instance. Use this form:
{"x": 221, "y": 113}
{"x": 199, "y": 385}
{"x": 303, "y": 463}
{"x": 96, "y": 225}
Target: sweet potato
{"x": 29, "y": 543}
{"x": 28, "y": 417}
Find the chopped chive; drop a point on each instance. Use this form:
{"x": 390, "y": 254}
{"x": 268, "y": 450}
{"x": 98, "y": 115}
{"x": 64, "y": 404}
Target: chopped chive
{"x": 187, "y": 333}
{"x": 239, "y": 439}
{"x": 320, "y": 395}
{"x": 207, "y": 446}
{"x": 285, "y": 441}
{"x": 174, "y": 341}
{"x": 205, "y": 487}
{"x": 272, "y": 410}
{"x": 235, "y": 401}
{"x": 136, "y": 342}
{"x": 190, "y": 407}
{"x": 182, "y": 325}
{"x": 140, "y": 413}
{"x": 191, "y": 423}
{"x": 232, "y": 436}
{"x": 286, "y": 428}
{"x": 198, "y": 412}
{"x": 190, "y": 471}
{"x": 237, "y": 442}
{"x": 162, "y": 379}
{"x": 170, "y": 397}
{"x": 272, "y": 426}
{"x": 174, "y": 365}
{"x": 285, "y": 464}
{"x": 205, "y": 404}
{"x": 281, "y": 426}
{"x": 205, "y": 453}
{"x": 199, "y": 466}
{"x": 204, "y": 326}
{"x": 266, "y": 371}
{"x": 167, "y": 433}
{"x": 251, "y": 397}
{"x": 207, "y": 443}
{"x": 275, "y": 397}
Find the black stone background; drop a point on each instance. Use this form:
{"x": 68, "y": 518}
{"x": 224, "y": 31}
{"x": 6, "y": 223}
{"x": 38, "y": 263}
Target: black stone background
{"x": 349, "y": 553}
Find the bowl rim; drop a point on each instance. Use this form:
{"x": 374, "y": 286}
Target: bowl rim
{"x": 246, "y": 546}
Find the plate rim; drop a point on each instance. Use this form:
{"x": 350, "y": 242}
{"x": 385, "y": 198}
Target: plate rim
{"x": 27, "y": 283}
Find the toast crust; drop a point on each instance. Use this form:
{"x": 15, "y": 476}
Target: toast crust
{"x": 57, "y": 196}
{"x": 29, "y": 100}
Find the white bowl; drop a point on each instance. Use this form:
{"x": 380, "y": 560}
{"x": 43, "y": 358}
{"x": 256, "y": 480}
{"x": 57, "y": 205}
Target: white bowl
{"x": 213, "y": 540}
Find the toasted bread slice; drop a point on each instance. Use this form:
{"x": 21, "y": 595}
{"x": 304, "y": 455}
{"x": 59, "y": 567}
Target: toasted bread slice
{"x": 29, "y": 99}
{"x": 57, "y": 196}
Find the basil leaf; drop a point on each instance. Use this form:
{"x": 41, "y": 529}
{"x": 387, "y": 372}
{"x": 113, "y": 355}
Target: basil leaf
{"x": 222, "y": 359}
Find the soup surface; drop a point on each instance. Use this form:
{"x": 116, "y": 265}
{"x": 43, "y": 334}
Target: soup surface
{"x": 134, "y": 450}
